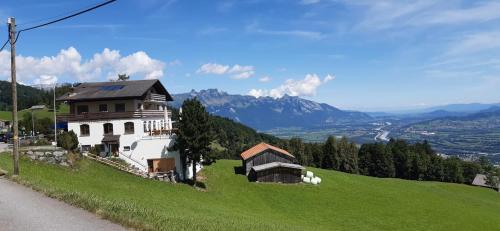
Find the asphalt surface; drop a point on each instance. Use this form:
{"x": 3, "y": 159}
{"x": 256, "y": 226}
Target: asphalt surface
{"x": 24, "y": 209}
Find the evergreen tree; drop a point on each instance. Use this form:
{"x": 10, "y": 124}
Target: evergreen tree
{"x": 331, "y": 159}
{"x": 193, "y": 139}
{"x": 297, "y": 148}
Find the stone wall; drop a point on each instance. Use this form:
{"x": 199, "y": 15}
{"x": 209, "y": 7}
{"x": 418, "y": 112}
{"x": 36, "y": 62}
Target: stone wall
{"x": 59, "y": 157}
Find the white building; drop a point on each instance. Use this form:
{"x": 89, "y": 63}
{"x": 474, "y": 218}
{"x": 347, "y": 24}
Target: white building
{"x": 125, "y": 119}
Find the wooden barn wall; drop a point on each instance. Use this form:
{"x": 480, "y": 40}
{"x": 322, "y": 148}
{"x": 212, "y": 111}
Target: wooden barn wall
{"x": 279, "y": 174}
{"x": 267, "y": 157}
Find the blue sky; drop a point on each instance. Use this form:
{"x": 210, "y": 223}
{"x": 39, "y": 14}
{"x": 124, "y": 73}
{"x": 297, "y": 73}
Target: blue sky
{"x": 364, "y": 55}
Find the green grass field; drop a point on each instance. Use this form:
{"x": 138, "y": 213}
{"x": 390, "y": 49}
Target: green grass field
{"x": 45, "y": 113}
{"x": 230, "y": 202}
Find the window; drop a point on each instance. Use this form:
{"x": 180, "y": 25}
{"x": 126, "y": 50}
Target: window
{"x": 145, "y": 127}
{"x": 129, "y": 128}
{"x": 84, "y": 130}
{"x": 149, "y": 125}
{"x": 119, "y": 107}
{"x": 85, "y": 148}
{"x": 162, "y": 125}
{"x": 103, "y": 107}
{"x": 126, "y": 148}
{"x": 154, "y": 125}
{"x": 139, "y": 106}
{"x": 81, "y": 109}
{"x": 108, "y": 129}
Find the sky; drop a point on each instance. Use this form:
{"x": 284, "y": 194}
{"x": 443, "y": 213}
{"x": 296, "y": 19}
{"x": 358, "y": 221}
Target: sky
{"x": 364, "y": 55}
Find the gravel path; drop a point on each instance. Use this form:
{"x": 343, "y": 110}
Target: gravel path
{"x": 24, "y": 209}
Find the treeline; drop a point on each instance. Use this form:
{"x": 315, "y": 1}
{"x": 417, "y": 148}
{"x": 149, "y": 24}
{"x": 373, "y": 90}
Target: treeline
{"x": 395, "y": 159}
{"x": 28, "y": 96}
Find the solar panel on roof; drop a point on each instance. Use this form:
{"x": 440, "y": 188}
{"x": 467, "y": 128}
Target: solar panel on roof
{"x": 111, "y": 88}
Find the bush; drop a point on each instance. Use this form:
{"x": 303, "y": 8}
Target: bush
{"x": 73, "y": 158}
{"x": 68, "y": 141}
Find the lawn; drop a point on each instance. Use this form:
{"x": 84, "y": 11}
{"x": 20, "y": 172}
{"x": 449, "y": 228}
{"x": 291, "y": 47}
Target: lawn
{"x": 230, "y": 202}
{"x": 45, "y": 113}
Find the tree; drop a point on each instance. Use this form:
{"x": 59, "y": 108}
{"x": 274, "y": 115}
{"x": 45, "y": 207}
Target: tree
{"x": 123, "y": 77}
{"x": 193, "y": 139}
{"x": 331, "y": 159}
{"x": 470, "y": 170}
{"x": 68, "y": 141}
{"x": 453, "y": 171}
{"x": 297, "y": 148}
{"x": 493, "y": 178}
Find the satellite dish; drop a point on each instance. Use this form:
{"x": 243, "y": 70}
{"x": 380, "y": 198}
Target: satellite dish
{"x": 134, "y": 145}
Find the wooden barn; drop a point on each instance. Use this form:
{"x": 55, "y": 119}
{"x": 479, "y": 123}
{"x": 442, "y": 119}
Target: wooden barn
{"x": 266, "y": 163}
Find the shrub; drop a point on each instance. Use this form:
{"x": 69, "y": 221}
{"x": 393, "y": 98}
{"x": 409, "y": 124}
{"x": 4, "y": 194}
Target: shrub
{"x": 68, "y": 141}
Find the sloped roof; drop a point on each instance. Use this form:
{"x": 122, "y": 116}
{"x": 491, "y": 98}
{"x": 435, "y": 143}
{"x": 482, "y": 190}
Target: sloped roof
{"x": 114, "y": 90}
{"x": 261, "y": 167}
{"x": 259, "y": 148}
{"x": 480, "y": 180}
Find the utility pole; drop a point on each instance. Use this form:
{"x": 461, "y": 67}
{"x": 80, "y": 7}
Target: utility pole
{"x": 15, "y": 138}
{"x": 55, "y": 118}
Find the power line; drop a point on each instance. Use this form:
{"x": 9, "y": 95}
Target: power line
{"x": 54, "y": 16}
{"x": 63, "y": 18}
{"x": 3, "y": 46}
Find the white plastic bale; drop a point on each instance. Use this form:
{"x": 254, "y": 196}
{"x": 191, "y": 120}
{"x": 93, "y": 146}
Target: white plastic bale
{"x": 314, "y": 181}
{"x": 318, "y": 179}
{"x": 306, "y": 180}
{"x": 301, "y": 177}
{"x": 309, "y": 174}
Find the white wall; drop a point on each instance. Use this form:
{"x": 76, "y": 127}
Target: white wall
{"x": 142, "y": 146}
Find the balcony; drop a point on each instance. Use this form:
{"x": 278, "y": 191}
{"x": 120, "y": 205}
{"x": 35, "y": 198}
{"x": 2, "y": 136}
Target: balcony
{"x": 156, "y": 98}
{"x": 112, "y": 115}
{"x": 159, "y": 134}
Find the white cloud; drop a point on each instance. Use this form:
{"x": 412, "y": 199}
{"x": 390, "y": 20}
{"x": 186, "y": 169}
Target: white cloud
{"x": 46, "y": 80}
{"x": 328, "y": 78}
{"x": 389, "y": 14}
{"x": 313, "y": 35}
{"x": 303, "y": 87}
{"x": 213, "y": 68}
{"x": 309, "y": 2}
{"x": 478, "y": 42}
{"x": 236, "y": 71}
{"x": 265, "y": 79}
{"x": 68, "y": 63}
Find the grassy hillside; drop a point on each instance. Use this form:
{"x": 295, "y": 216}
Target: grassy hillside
{"x": 341, "y": 202}
{"x": 7, "y": 115}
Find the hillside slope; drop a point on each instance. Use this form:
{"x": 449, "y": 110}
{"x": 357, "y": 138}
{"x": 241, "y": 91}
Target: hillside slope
{"x": 341, "y": 202}
{"x": 267, "y": 113}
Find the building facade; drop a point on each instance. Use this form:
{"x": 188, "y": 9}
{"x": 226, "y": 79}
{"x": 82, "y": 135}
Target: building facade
{"x": 266, "y": 163}
{"x": 125, "y": 119}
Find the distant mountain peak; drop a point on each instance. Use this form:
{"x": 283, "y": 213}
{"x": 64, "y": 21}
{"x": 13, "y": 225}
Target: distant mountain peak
{"x": 265, "y": 113}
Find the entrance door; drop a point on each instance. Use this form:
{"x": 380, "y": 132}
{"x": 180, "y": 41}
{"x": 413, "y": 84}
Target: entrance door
{"x": 114, "y": 149}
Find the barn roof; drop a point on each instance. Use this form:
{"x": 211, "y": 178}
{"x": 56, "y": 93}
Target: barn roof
{"x": 480, "y": 180}
{"x": 113, "y": 90}
{"x": 259, "y": 148}
{"x": 276, "y": 164}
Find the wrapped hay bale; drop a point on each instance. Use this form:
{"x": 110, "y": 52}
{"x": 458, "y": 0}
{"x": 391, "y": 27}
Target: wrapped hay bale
{"x": 306, "y": 180}
{"x": 309, "y": 174}
{"x": 318, "y": 179}
{"x": 302, "y": 177}
{"x": 314, "y": 181}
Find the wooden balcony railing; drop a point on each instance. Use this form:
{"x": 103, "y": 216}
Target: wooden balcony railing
{"x": 112, "y": 115}
{"x": 157, "y": 97}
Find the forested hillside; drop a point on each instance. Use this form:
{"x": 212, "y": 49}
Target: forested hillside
{"x": 28, "y": 96}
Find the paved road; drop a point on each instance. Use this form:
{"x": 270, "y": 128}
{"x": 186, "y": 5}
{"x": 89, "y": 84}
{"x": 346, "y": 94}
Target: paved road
{"x": 24, "y": 209}
{"x": 4, "y": 147}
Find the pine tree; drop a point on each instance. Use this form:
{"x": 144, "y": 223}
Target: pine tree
{"x": 194, "y": 136}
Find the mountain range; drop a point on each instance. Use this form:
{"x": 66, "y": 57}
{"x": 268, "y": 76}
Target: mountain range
{"x": 266, "y": 113}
